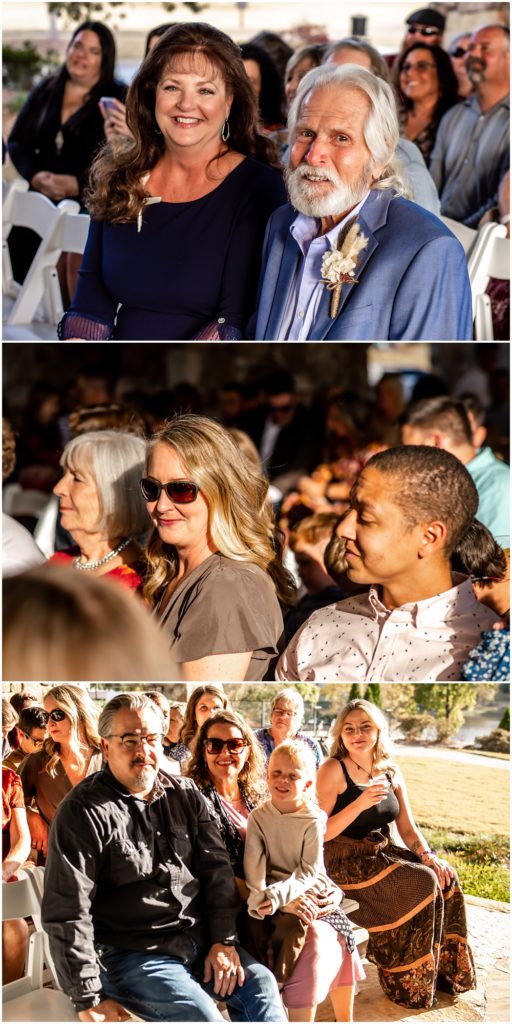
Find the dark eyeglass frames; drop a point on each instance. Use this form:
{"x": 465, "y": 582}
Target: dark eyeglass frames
{"x": 181, "y": 492}
{"x": 216, "y": 746}
{"x": 132, "y": 741}
{"x": 37, "y": 743}
{"x": 458, "y": 52}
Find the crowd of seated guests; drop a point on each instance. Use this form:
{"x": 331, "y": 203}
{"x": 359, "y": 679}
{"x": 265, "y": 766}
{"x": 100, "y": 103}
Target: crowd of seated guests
{"x": 265, "y": 916}
{"x": 453, "y": 107}
{"x": 224, "y": 533}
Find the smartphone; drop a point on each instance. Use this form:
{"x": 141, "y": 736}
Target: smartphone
{"x": 109, "y": 102}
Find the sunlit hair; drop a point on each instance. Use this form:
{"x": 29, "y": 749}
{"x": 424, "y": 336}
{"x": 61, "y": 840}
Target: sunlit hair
{"x": 9, "y": 715}
{"x": 129, "y": 701}
{"x": 116, "y": 192}
{"x": 383, "y": 750}
{"x": 189, "y": 727}
{"x": 79, "y": 628}
{"x": 377, "y": 61}
{"x": 115, "y": 460}
{"x": 292, "y": 697}
{"x": 251, "y": 775}
{"x": 106, "y": 416}
{"x": 8, "y": 449}
{"x": 241, "y": 521}
{"x": 313, "y": 529}
{"x": 302, "y": 757}
{"x": 381, "y": 132}
{"x": 82, "y": 714}
{"x": 314, "y": 52}
{"x": 161, "y": 703}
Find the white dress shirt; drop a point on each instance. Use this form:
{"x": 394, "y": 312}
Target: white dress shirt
{"x": 360, "y": 640}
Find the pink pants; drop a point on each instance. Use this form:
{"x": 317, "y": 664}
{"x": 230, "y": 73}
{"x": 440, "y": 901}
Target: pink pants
{"x": 324, "y": 964}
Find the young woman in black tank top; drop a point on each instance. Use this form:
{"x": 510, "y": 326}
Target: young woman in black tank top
{"x": 417, "y": 933}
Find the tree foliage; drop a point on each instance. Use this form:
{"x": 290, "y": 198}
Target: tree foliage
{"x": 373, "y": 694}
{"x": 448, "y": 701}
{"x": 77, "y": 12}
{"x": 505, "y": 720}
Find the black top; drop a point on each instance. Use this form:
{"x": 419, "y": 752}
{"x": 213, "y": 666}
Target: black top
{"x": 182, "y": 267}
{"x": 39, "y": 142}
{"x": 371, "y": 819}
{"x": 134, "y": 874}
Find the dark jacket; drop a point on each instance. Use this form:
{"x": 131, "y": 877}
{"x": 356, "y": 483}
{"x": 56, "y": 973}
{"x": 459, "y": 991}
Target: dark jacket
{"x": 135, "y": 875}
{"x": 38, "y": 141}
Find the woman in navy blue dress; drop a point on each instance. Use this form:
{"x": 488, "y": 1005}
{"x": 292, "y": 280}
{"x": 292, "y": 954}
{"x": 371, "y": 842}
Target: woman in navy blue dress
{"x": 179, "y": 212}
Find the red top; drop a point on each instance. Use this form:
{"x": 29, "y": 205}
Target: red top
{"x": 12, "y": 794}
{"x": 129, "y": 575}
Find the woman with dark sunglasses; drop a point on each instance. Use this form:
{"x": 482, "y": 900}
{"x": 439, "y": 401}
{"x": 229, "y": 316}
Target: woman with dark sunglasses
{"x": 71, "y": 751}
{"x": 428, "y": 88}
{"x": 216, "y": 577}
{"x": 227, "y": 765}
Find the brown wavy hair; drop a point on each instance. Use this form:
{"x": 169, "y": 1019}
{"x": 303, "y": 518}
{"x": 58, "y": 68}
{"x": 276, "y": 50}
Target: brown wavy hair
{"x": 252, "y": 775}
{"x": 116, "y": 192}
{"x": 241, "y": 520}
{"x": 189, "y": 727}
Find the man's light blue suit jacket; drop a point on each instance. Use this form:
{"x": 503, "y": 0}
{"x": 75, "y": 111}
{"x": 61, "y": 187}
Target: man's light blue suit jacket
{"x": 413, "y": 279}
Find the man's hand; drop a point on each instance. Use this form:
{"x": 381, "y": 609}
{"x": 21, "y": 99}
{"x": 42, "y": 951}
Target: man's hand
{"x": 223, "y": 963}
{"x": 38, "y": 831}
{"x": 265, "y": 908}
{"x": 108, "y": 1009}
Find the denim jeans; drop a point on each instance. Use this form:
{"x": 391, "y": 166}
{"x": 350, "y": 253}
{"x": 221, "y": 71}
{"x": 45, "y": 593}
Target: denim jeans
{"x": 160, "y": 988}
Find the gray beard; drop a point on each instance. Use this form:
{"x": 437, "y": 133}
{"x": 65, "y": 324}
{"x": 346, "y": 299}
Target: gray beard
{"x": 476, "y": 74}
{"x": 146, "y": 779}
{"x": 340, "y": 198}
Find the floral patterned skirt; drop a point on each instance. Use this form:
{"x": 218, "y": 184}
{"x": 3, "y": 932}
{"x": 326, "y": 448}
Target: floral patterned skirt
{"x": 418, "y": 933}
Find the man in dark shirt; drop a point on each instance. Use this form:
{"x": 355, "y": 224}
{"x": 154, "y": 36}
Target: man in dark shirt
{"x": 140, "y": 900}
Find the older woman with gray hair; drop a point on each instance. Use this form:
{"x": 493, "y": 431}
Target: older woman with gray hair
{"x": 286, "y": 714}
{"x": 101, "y": 505}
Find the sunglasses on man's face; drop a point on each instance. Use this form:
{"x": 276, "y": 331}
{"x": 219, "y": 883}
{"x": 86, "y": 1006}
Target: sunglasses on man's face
{"x": 458, "y": 52}
{"x": 216, "y": 746}
{"x": 180, "y": 492}
{"x": 422, "y": 31}
{"x": 57, "y": 715}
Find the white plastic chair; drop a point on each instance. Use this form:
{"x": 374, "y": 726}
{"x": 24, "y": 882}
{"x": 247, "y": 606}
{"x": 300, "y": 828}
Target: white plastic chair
{"x": 490, "y": 257}
{"x": 61, "y": 228}
{"x": 465, "y": 235}
{"x": 26, "y": 999}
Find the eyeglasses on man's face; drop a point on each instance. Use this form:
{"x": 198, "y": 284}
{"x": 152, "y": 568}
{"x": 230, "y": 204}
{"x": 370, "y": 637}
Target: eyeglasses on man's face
{"x": 284, "y": 712}
{"x": 458, "y": 52}
{"x": 132, "y": 741}
{"x": 37, "y": 743}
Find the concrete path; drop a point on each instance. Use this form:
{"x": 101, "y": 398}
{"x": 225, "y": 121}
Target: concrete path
{"x": 489, "y": 934}
{"x": 451, "y": 754}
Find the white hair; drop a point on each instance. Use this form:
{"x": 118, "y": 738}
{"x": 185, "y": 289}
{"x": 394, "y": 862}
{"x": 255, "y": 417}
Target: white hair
{"x": 292, "y": 697}
{"x": 115, "y": 460}
{"x": 381, "y": 131}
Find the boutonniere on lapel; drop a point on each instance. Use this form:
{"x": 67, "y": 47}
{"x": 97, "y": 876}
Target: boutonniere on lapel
{"x": 339, "y": 265}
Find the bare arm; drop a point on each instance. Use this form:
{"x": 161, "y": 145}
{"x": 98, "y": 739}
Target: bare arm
{"x": 222, "y": 667}
{"x": 330, "y": 782}
{"x": 413, "y": 837}
{"x": 19, "y": 836}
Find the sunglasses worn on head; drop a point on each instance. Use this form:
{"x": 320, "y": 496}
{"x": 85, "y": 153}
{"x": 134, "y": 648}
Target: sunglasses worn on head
{"x": 216, "y": 746}
{"x": 422, "y": 30}
{"x": 57, "y": 715}
{"x": 181, "y": 492}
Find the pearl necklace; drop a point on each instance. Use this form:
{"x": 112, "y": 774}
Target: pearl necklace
{"x": 361, "y": 769}
{"x": 102, "y": 561}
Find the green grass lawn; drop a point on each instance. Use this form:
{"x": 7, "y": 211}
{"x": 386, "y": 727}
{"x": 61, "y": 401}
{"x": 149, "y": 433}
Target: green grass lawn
{"x": 464, "y": 811}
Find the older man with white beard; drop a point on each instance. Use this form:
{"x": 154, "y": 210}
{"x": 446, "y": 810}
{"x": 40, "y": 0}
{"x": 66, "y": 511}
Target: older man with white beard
{"x": 350, "y": 258}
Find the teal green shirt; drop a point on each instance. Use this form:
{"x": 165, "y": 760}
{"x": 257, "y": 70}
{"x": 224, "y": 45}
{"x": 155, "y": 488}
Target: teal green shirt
{"x": 492, "y": 481}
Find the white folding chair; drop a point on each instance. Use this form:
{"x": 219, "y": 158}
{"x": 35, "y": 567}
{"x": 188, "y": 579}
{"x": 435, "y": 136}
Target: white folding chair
{"x": 61, "y": 228}
{"x": 26, "y": 999}
{"x": 490, "y": 257}
{"x": 465, "y": 235}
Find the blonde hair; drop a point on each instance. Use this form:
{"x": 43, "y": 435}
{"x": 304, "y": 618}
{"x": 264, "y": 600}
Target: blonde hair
{"x": 82, "y": 715}
{"x": 80, "y": 628}
{"x": 189, "y": 727}
{"x": 383, "y": 748}
{"x": 115, "y": 460}
{"x": 251, "y": 775}
{"x": 241, "y": 520}
{"x": 301, "y": 756}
